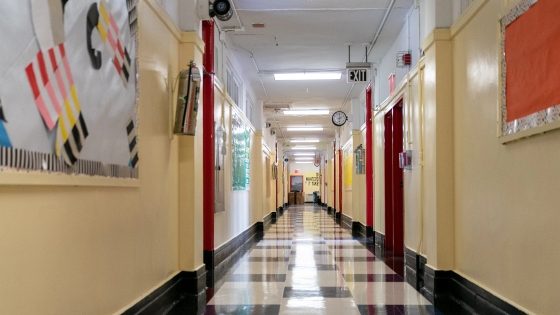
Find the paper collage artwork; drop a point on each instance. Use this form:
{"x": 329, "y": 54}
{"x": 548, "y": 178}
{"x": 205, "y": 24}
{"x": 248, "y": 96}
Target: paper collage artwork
{"x": 61, "y": 106}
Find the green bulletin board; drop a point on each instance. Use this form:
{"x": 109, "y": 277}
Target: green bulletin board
{"x": 240, "y": 153}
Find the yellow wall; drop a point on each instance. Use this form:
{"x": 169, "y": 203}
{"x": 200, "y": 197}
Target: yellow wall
{"x": 485, "y": 210}
{"x": 94, "y": 250}
{"x": 506, "y": 204}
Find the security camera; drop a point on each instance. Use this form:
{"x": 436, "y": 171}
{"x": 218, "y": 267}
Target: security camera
{"x": 268, "y": 125}
{"x": 272, "y": 132}
{"x": 221, "y": 9}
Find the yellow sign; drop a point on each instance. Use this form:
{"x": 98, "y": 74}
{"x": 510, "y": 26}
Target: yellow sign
{"x": 348, "y": 167}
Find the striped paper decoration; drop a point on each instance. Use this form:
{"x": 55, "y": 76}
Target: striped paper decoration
{"x": 37, "y": 161}
{"x": 132, "y": 143}
{"x": 55, "y": 96}
{"x": 132, "y": 16}
{"x": 51, "y": 82}
{"x": 110, "y": 35}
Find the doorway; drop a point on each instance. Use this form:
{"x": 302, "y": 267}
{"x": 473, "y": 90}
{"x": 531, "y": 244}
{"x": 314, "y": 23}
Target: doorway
{"x": 296, "y": 183}
{"x": 394, "y": 188}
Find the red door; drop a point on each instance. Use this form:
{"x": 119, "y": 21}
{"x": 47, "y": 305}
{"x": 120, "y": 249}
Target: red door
{"x": 388, "y": 180}
{"x": 394, "y": 197}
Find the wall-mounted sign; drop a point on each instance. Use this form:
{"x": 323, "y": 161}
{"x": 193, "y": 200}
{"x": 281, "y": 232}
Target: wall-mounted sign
{"x": 358, "y": 75}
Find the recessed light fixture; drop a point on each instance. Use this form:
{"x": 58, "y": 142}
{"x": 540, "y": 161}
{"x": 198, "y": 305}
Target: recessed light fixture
{"x": 308, "y": 76}
{"x": 305, "y": 154}
{"x": 307, "y": 112}
{"x": 304, "y": 148}
{"x": 304, "y": 162}
{"x": 303, "y": 141}
{"x": 304, "y": 158}
{"x": 305, "y": 128}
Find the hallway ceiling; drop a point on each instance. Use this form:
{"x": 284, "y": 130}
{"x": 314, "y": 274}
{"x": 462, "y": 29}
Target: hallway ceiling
{"x": 309, "y": 35}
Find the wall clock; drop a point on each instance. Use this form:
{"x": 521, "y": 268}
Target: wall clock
{"x": 339, "y": 118}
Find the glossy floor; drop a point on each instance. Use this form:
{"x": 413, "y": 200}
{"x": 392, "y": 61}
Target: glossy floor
{"x": 308, "y": 264}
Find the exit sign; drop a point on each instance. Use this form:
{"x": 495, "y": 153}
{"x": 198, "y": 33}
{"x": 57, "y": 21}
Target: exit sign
{"x": 358, "y": 75}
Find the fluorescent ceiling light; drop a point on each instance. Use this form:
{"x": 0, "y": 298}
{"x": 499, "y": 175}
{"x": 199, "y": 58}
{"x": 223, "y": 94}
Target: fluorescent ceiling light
{"x": 304, "y": 148}
{"x": 305, "y": 158}
{"x": 305, "y": 154}
{"x": 307, "y": 112}
{"x": 304, "y": 162}
{"x": 308, "y": 76}
{"x": 303, "y": 141}
{"x": 305, "y": 128}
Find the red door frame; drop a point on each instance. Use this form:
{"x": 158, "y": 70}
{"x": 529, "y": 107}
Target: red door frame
{"x": 394, "y": 191}
{"x": 369, "y": 162}
{"x": 334, "y": 175}
{"x": 340, "y": 183}
{"x": 291, "y": 181}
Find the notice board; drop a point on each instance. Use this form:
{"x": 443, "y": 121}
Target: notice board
{"x": 68, "y": 87}
{"x": 530, "y": 67}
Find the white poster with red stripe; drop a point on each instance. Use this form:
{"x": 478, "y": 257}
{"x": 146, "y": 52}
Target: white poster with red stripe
{"x": 69, "y": 100}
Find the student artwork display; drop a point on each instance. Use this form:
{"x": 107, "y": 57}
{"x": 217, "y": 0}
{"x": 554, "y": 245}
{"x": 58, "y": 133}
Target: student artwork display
{"x": 530, "y": 68}
{"x": 68, "y": 87}
{"x": 240, "y": 150}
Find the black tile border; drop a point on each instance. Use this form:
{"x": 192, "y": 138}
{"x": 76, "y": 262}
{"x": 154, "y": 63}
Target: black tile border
{"x": 379, "y": 239}
{"x": 450, "y": 292}
{"x": 218, "y": 260}
{"x": 359, "y": 229}
{"x": 346, "y": 222}
{"x": 187, "y": 288}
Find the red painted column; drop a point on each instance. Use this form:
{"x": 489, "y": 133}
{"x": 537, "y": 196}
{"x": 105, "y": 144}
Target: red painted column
{"x": 340, "y": 183}
{"x": 208, "y": 135}
{"x": 334, "y": 175}
{"x": 369, "y": 163}
{"x": 276, "y": 182}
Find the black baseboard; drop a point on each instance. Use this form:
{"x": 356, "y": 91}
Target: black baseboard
{"x": 450, "y": 292}
{"x": 186, "y": 290}
{"x": 359, "y": 229}
{"x": 217, "y": 260}
{"x": 369, "y": 232}
{"x": 267, "y": 220}
{"x": 273, "y": 215}
{"x": 379, "y": 239}
{"x": 346, "y": 222}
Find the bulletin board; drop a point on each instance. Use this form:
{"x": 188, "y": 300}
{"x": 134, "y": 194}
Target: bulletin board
{"x": 68, "y": 87}
{"x": 530, "y": 67}
{"x": 348, "y": 167}
{"x": 240, "y": 148}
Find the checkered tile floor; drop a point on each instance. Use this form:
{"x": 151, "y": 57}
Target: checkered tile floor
{"x": 307, "y": 264}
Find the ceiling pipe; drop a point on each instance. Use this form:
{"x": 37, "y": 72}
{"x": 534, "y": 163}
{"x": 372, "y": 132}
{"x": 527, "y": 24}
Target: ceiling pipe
{"x": 375, "y": 38}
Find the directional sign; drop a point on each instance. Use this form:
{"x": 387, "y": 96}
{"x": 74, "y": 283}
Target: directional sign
{"x": 358, "y": 75}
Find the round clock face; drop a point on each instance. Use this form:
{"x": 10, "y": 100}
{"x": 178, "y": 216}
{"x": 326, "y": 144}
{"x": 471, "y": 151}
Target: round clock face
{"x": 339, "y": 118}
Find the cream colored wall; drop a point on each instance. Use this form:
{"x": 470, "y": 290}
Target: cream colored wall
{"x": 238, "y": 215}
{"x": 506, "y": 205}
{"x": 101, "y": 248}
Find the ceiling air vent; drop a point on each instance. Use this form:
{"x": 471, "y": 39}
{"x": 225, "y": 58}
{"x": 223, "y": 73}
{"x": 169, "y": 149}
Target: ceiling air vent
{"x": 277, "y": 106}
